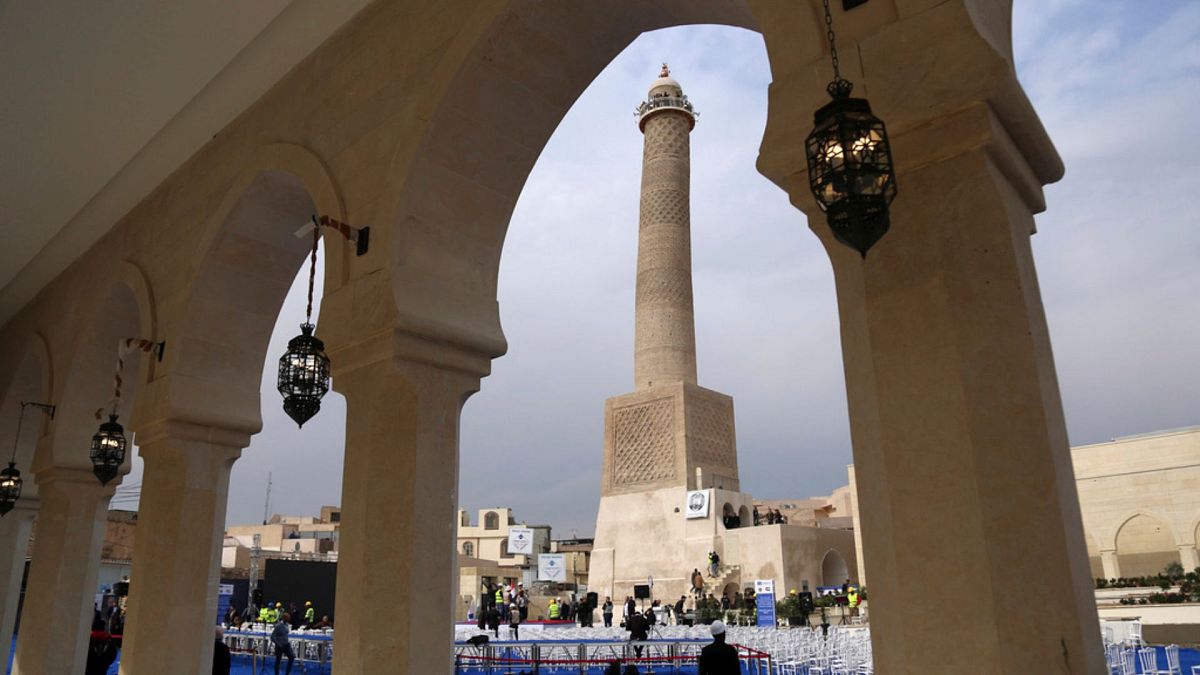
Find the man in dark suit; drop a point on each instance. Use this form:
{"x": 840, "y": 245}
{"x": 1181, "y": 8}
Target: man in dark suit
{"x": 638, "y": 629}
{"x": 719, "y": 658}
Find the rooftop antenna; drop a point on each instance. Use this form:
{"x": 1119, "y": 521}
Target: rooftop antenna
{"x": 267, "y": 506}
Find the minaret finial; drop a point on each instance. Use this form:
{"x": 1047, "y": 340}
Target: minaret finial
{"x": 665, "y": 72}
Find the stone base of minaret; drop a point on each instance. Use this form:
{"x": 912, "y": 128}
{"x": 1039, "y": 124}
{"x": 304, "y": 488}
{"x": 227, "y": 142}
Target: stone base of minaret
{"x": 673, "y": 434}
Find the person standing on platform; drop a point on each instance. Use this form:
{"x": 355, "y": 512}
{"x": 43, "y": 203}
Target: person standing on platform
{"x": 719, "y": 658}
{"x": 679, "y": 610}
{"x": 514, "y": 622}
{"x": 283, "y": 646}
{"x": 310, "y": 614}
{"x": 493, "y": 620}
{"x": 608, "y": 612}
{"x": 553, "y": 610}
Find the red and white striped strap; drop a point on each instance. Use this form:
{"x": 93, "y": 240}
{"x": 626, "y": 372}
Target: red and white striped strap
{"x": 124, "y": 347}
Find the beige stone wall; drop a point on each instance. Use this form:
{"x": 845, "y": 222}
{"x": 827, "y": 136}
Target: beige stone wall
{"x": 1140, "y": 498}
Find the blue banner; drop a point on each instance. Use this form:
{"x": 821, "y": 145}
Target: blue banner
{"x": 765, "y": 604}
{"x": 224, "y": 598}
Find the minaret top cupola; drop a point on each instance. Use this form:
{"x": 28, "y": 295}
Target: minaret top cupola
{"x": 665, "y": 94}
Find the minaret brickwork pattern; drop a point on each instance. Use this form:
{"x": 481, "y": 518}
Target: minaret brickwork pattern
{"x": 665, "y": 330}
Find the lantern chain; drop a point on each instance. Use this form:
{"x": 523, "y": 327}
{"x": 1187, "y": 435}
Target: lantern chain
{"x": 832, "y": 44}
{"x": 312, "y": 271}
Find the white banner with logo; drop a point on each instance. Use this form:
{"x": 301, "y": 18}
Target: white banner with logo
{"x": 762, "y": 586}
{"x": 552, "y": 567}
{"x": 697, "y": 504}
{"x": 520, "y": 540}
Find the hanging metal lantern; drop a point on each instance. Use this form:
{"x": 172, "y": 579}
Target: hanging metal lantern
{"x": 108, "y": 450}
{"x": 850, "y": 163}
{"x": 10, "y": 487}
{"x": 303, "y": 375}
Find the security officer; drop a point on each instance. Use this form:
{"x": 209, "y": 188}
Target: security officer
{"x": 554, "y": 609}
{"x": 310, "y": 614}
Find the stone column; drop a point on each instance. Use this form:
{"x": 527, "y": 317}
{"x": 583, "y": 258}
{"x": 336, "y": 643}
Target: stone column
{"x": 61, "y": 589}
{"x": 177, "y": 553}
{"x": 1187, "y": 557}
{"x": 14, "y": 542}
{"x": 965, "y": 482}
{"x": 399, "y": 499}
{"x": 1110, "y": 565}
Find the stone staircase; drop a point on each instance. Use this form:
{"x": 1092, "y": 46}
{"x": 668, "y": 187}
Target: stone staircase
{"x": 727, "y": 574}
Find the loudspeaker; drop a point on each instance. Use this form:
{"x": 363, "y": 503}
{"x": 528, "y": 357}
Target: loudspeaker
{"x": 121, "y": 588}
{"x": 641, "y": 591}
{"x": 258, "y": 597}
{"x": 593, "y": 599}
{"x": 806, "y": 603}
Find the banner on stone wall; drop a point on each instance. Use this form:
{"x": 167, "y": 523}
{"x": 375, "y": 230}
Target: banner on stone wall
{"x": 552, "y": 567}
{"x": 520, "y": 540}
{"x": 697, "y": 504}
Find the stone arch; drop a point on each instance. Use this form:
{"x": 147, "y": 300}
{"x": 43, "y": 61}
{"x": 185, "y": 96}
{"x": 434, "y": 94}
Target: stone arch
{"x": 485, "y": 136}
{"x": 1145, "y": 544}
{"x": 746, "y": 516}
{"x": 491, "y": 521}
{"x": 729, "y": 591}
{"x": 88, "y": 385}
{"x": 468, "y": 549}
{"x": 834, "y": 570}
{"x": 29, "y": 379}
{"x": 250, "y": 260}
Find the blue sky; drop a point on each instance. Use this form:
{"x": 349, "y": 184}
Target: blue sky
{"x": 1117, "y": 85}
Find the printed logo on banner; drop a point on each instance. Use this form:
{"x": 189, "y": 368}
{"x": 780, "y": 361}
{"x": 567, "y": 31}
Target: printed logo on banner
{"x": 697, "y": 504}
{"x": 762, "y": 586}
{"x": 552, "y": 567}
{"x": 520, "y": 540}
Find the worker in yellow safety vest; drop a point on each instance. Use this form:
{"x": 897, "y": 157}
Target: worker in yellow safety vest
{"x": 264, "y": 615}
{"x": 554, "y": 609}
{"x": 499, "y": 594}
{"x": 852, "y": 597}
{"x": 310, "y": 614}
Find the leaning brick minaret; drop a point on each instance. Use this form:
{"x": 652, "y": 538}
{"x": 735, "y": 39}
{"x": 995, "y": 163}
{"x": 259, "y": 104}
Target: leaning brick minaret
{"x": 665, "y": 326}
{"x": 670, "y": 435}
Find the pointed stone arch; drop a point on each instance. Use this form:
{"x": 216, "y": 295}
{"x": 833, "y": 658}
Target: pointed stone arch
{"x": 1145, "y": 544}
{"x": 249, "y": 262}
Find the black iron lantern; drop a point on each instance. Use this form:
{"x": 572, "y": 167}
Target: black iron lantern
{"x": 303, "y": 375}
{"x": 10, "y": 477}
{"x": 304, "y": 368}
{"x": 850, "y": 163}
{"x": 10, "y": 487}
{"x": 108, "y": 450}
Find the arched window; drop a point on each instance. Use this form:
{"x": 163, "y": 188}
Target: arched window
{"x": 491, "y": 521}
{"x": 468, "y": 549}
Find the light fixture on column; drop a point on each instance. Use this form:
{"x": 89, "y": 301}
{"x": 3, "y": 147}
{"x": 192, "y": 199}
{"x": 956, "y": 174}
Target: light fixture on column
{"x": 109, "y": 443}
{"x": 850, "y": 162}
{"x": 10, "y": 477}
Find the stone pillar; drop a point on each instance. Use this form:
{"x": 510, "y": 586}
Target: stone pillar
{"x": 14, "y": 542}
{"x": 1110, "y": 564}
{"x": 177, "y": 553}
{"x": 963, "y": 467}
{"x": 665, "y": 326}
{"x": 61, "y": 589}
{"x": 399, "y": 499}
{"x": 1187, "y": 557}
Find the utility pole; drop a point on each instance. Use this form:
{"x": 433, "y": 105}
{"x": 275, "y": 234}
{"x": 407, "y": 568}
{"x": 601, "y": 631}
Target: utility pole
{"x": 267, "y": 506}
